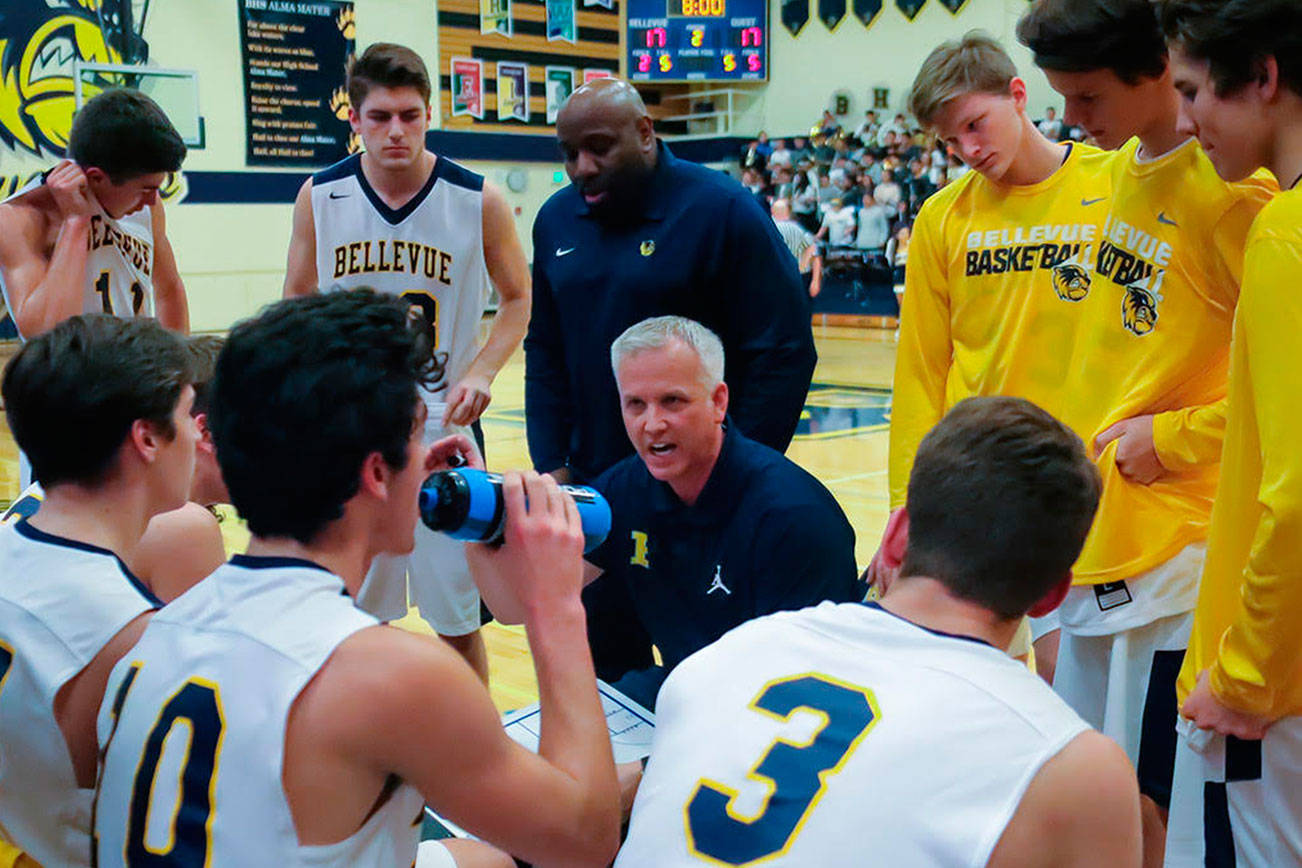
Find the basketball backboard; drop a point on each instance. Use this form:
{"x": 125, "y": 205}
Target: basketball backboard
{"x": 175, "y": 90}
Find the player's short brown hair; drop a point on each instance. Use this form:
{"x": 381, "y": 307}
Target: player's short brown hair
{"x": 72, "y": 394}
{"x": 386, "y": 64}
{"x": 1001, "y": 498}
{"x": 1074, "y": 36}
{"x": 203, "y": 351}
{"x": 126, "y": 135}
{"x": 1236, "y": 36}
{"x": 977, "y": 63}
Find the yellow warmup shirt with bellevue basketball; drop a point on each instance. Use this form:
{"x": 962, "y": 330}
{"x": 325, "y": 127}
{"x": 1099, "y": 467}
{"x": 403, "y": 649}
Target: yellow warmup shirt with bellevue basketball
{"x": 1248, "y": 624}
{"x": 994, "y": 276}
{"x": 1154, "y": 338}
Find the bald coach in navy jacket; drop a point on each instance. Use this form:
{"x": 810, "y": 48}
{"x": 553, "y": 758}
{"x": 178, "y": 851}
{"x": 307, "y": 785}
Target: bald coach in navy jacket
{"x": 640, "y": 233}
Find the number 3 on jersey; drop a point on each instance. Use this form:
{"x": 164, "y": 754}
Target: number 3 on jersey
{"x": 426, "y": 307}
{"x": 796, "y": 774}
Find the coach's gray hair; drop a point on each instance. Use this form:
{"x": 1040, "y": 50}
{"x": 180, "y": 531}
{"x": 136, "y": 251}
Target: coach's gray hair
{"x": 658, "y": 332}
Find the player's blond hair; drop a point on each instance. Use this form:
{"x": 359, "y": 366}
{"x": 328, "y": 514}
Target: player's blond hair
{"x": 977, "y": 63}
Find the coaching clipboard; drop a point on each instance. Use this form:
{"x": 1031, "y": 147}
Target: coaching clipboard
{"x": 630, "y": 726}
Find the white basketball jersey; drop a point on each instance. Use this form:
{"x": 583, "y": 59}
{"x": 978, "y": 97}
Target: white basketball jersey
{"x": 61, "y": 601}
{"x": 430, "y": 251}
{"x": 841, "y": 735}
{"x": 120, "y": 264}
{"x": 193, "y": 727}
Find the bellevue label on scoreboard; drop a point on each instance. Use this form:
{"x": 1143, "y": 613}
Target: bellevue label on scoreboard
{"x": 698, "y": 40}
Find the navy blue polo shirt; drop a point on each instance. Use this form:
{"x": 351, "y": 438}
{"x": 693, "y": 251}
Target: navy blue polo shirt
{"x": 699, "y": 246}
{"x": 763, "y": 536}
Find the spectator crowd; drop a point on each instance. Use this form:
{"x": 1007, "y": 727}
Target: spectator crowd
{"x": 857, "y": 190}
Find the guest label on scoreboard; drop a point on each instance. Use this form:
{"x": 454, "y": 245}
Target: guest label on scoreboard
{"x": 697, "y": 40}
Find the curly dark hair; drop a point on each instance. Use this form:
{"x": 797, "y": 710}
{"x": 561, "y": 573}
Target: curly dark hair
{"x": 304, "y": 393}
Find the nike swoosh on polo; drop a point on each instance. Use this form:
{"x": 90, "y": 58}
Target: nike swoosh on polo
{"x": 340, "y": 195}
{"x": 1089, "y": 202}
{"x": 564, "y": 252}
{"x": 1162, "y": 218}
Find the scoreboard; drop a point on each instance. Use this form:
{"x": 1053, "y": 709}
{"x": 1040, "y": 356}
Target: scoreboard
{"x": 697, "y": 40}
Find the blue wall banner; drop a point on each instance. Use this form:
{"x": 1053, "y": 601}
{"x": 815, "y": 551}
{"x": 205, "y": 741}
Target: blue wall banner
{"x": 910, "y": 8}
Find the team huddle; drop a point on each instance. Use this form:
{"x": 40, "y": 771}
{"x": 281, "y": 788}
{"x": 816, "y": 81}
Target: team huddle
{"x": 1089, "y": 445}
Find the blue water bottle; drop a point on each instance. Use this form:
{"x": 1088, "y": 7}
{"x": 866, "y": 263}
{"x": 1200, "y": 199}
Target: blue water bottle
{"x": 467, "y": 504}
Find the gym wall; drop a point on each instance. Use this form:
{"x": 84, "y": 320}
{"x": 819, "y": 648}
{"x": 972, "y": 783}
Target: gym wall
{"x": 231, "y": 236}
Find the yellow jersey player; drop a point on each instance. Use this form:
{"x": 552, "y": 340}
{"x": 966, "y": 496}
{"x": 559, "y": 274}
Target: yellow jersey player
{"x": 403, "y": 220}
{"x": 290, "y": 691}
{"x": 810, "y": 738}
{"x": 101, "y": 405}
{"x": 999, "y": 262}
{"x": 1154, "y": 347}
{"x": 1237, "y": 795}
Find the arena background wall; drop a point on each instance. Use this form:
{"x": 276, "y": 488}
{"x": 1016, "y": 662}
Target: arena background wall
{"x": 231, "y": 231}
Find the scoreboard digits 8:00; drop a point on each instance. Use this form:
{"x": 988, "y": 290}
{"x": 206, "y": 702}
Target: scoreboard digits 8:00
{"x": 697, "y": 40}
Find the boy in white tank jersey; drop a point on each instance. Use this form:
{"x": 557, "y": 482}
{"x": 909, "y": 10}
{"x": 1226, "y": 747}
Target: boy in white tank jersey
{"x": 290, "y": 691}
{"x": 181, "y": 546}
{"x": 901, "y": 733}
{"x": 102, "y": 407}
{"x": 404, "y": 221}
{"x": 89, "y": 235}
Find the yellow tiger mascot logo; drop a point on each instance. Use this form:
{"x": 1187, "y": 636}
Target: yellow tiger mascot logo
{"x": 39, "y": 42}
{"x": 1138, "y": 310}
{"x": 1071, "y": 282}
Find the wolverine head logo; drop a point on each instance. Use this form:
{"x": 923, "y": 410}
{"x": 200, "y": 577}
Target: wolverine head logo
{"x": 1071, "y": 282}
{"x": 648, "y": 247}
{"x": 1138, "y": 310}
{"x": 39, "y": 42}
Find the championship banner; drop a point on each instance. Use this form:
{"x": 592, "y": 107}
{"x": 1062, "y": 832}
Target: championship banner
{"x": 795, "y": 14}
{"x": 594, "y": 74}
{"x": 467, "y": 87}
{"x": 559, "y": 85}
{"x": 560, "y": 21}
{"x": 513, "y": 92}
{"x": 495, "y": 17}
{"x": 831, "y": 12}
{"x": 910, "y": 8}
{"x": 867, "y": 11}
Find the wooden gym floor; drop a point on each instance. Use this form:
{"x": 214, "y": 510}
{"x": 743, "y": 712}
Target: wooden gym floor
{"x": 842, "y": 440}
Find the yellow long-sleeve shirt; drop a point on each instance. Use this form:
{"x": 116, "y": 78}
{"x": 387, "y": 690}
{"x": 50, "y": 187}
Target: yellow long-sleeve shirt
{"x": 1154, "y": 338}
{"x": 12, "y": 857}
{"x": 995, "y": 273}
{"x": 1248, "y": 624}
{"x": 1142, "y": 328}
